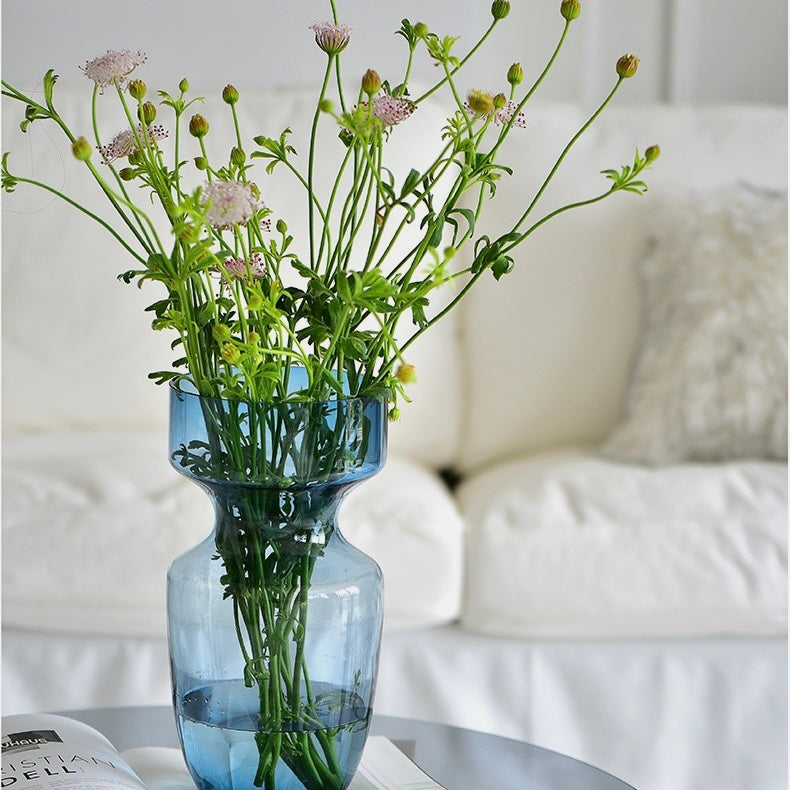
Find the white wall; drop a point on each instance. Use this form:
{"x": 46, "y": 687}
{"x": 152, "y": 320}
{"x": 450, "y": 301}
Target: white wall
{"x": 699, "y": 50}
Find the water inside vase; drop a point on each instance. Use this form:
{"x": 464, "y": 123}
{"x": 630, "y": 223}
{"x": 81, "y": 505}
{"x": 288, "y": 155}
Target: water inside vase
{"x": 218, "y": 725}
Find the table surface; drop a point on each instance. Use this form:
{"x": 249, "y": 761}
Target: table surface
{"x": 457, "y": 758}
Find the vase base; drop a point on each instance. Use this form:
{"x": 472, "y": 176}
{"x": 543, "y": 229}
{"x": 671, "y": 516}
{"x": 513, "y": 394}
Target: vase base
{"x": 224, "y": 739}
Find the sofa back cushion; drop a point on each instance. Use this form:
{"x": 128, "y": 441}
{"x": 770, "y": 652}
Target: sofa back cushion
{"x": 548, "y": 348}
{"x": 77, "y": 344}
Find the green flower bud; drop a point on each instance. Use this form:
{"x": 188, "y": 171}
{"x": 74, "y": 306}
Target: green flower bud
{"x": 515, "y": 74}
{"x": 371, "y": 82}
{"x": 230, "y": 353}
{"x": 500, "y": 9}
{"x": 421, "y": 30}
{"x": 449, "y": 253}
{"x": 220, "y": 333}
{"x": 500, "y": 100}
{"x": 394, "y": 414}
{"x": 201, "y": 163}
{"x": 230, "y": 95}
{"x": 482, "y": 103}
{"x": 137, "y": 89}
{"x": 627, "y": 66}
{"x": 189, "y": 234}
{"x": 570, "y": 9}
{"x": 135, "y": 158}
{"x": 198, "y": 126}
{"x": 325, "y": 105}
{"x": 183, "y": 86}
{"x": 281, "y": 226}
{"x": 237, "y": 156}
{"x": 127, "y": 174}
{"x": 81, "y": 149}
{"x": 652, "y": 153}
{"x": 146, "y": 113}
{"x": 254, "y": 338}
{"x": 255, "y": 302}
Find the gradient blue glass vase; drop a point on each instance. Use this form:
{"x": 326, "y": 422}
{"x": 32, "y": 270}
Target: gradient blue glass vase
{"x": 274, "y": 620}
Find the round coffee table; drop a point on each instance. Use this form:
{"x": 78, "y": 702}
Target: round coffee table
{"x": 456, "y": 758}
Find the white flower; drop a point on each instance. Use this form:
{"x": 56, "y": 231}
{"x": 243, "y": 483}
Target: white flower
{"x": 113, "y": 67}
{"x": 229, "y": 203}
{"x": 330, "y": 37}
{"x": 124, "y": 143}
{"x": 391, "y": 111}
{"x": 502, "y": 117}
{"x": 236, "y": 268}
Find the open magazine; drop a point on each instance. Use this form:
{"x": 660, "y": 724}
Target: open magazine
{"x": 42, "y": 751}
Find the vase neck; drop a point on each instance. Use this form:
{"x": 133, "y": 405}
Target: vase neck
{"x": 302, "y": 516}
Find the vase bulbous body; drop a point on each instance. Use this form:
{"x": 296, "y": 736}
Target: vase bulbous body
{"x": 274, "y": 620}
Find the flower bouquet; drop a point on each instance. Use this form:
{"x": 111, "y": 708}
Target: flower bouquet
{"x": 288, "y": 363}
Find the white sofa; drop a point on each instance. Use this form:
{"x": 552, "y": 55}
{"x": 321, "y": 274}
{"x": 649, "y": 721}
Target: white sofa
{"x": 608, "y": 576}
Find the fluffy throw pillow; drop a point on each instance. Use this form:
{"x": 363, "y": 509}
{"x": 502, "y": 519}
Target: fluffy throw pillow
{"x": 710, "y": 376}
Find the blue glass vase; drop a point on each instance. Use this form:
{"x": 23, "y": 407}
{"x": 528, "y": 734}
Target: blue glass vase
{"x": 274, "y": 620}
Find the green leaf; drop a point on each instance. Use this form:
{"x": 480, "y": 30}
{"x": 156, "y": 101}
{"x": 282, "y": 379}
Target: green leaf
{"x": 502, "y": 265}
{"x": 50, "y": 78}
{"x": 411, "y": 181}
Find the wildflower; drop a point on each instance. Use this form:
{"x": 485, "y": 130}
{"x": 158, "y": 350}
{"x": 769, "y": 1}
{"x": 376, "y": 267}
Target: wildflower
{"x": 113, "y": 67}
{"x": 236, "y": 268}
{"x": 503, "y": 115}
{"x": 391, "y": 110}
{"x": 330, "y": 37}
{"x": 229, "y": 203}
{"x": 652, "y": 153}
{"x": 125, "y": 143}
{"x": 627, "y": 66}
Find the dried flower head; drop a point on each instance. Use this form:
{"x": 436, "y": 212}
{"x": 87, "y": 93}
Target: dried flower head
{"x": 125, "y": 143}
{"x": 113, "y": 67}
{"x": 406, "y": 373}
{"x": 330, "y": 37}
{"x": 229, "y": 203}
{"x": 479, "y": 102}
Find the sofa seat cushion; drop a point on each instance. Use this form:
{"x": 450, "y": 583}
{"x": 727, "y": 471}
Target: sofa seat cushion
{"x": 91, "y": 522}
{"x": 571, "y": 544}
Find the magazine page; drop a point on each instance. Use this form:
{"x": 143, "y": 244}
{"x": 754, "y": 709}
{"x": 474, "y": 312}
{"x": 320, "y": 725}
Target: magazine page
{"x": 43, "y": 751}
{"x": 383, "y": 767}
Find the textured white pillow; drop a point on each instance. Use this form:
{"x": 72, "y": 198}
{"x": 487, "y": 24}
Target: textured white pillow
{"x": 710, "y": 378}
